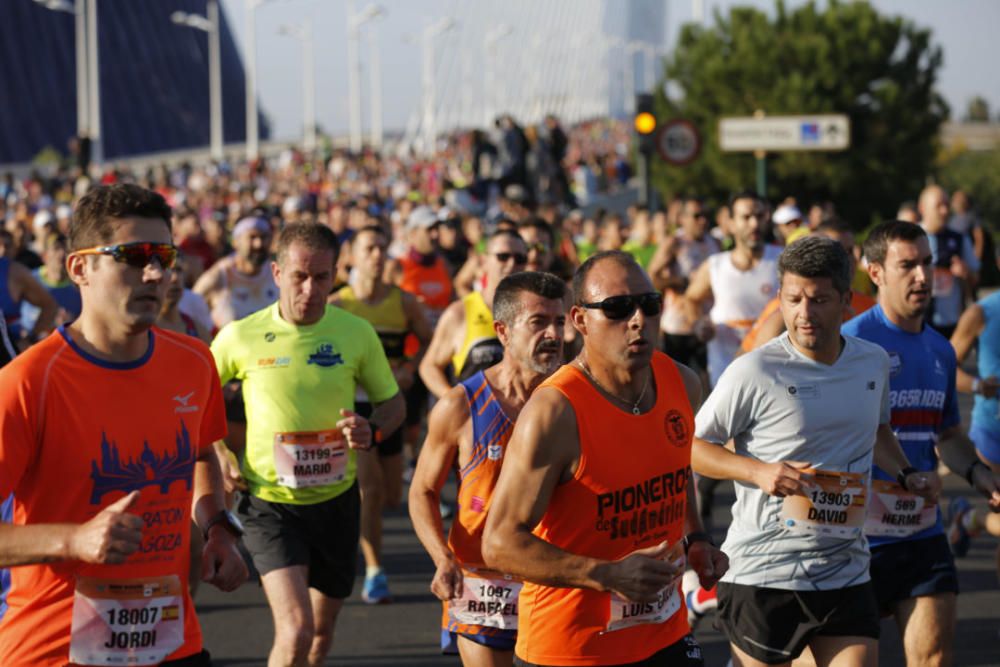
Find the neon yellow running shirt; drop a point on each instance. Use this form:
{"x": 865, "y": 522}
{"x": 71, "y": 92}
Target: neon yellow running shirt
{"x": 296, "y": 379}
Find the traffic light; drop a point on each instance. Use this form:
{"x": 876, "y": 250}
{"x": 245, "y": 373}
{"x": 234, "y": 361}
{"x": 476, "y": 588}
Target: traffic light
{"x": 645, "y": 123}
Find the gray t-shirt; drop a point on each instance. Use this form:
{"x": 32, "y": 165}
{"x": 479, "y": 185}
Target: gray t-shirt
{"x": 779, "y": 405}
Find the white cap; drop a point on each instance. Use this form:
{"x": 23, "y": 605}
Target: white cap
{"x": 786, "y": 213}
{"x": 42, "y": 218}
{"x": 421, "y": 216}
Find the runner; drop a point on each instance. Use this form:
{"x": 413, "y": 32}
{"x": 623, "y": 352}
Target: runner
{"x": 469, "y": 428}
{"x": 980, "y": 326}
{"x": 17, "y": 286}
{"x": 171, "y": 317}
{"x": 912, "y": 568}
{"x": 807, "y": 412}
{"x": 98, "y": 548}
{"x": 394, "y": 314}
{"x": 464, "y": 340}
{"x": 593, "y": 508}
{"x": 301, "y": 361}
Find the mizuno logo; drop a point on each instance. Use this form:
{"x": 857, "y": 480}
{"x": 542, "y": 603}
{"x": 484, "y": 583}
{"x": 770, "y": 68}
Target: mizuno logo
{"x": 183, "y": 400}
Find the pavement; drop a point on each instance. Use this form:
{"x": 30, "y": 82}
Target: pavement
{"x": 238, "y": 629}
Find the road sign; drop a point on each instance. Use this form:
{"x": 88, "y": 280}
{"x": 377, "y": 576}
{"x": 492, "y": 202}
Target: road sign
{"x": 678, "y": 142}
{"x": 824, "y": 132}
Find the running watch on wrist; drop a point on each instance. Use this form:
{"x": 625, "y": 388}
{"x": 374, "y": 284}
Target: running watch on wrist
{"x": 696, "y": 536}
{"x": 903, "y": 474}
{"x": 232, "y": 523}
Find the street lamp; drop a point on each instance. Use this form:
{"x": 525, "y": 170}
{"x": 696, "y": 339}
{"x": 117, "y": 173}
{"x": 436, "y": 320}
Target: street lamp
{"x": 79, "y": 12}
{"x": 354, "y": 23}
{"x": 489, "y": 75}
{"x": 431, "y": 33}
{"x": 303, "y": 33}
{"x": 209, "y": 24}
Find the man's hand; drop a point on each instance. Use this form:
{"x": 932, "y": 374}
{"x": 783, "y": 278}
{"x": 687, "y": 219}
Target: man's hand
{"x": 111, "y": 536}
{"x": 356, "y": 429}
{"x": 232, "y": 478}
{"x": 642, "y": 574}
{"x": 987, "y": 482}
{"x": 989, "y": 386}
{"x": 708, "y": 561}
{"x": 784, "y": 478}
{"x": 959, "y": 268}
{"x": 924, "y": 484}
{"x": 447, "y": 581}
{"x": 221, "y": 562}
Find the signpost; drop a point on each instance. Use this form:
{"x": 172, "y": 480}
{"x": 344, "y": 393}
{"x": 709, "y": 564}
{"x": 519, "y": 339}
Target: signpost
{"x": 760, "y": 133}
{"x": 678, "y": 142}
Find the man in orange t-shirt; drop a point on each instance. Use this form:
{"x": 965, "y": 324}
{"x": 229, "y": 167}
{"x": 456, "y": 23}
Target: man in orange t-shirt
{"x": 594, "y": 508}
{"x": 106, "y": 446}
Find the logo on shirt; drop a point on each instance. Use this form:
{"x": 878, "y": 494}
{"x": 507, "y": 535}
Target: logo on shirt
{"x": 274, "y": 362}
{"x": 871, "y": 385}
{"x": 324, "y": 356}
{"x": 676, "y": 429}
{"x": 938, "y": 368}
{"x": 494, "y": 452}
{"x": 151, "y": 469}
{"x": 182, "y": 403}
{"x": 269, "y": 337}
{"x": 803, "y": 391}
{"x": 895, "y": 364}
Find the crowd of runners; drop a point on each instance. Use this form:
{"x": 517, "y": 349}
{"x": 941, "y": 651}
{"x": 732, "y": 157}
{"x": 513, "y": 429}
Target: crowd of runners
{"x": 199, "y": 360}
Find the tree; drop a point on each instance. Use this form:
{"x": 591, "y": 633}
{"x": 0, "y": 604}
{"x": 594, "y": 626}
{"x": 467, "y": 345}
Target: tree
{"x": 848, "y": 58}
{"x": 978, "y": 110}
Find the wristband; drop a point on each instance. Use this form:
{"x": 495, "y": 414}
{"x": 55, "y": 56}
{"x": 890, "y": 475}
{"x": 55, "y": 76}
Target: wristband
{"x": 696, "y": 536}
{"x": 971, "y": 469}
{"x": 976, "y": 385}
{"x": 903, "y": 474}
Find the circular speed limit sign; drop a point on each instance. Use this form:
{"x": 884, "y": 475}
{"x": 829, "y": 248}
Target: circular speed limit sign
{"x": 678, "y": 142}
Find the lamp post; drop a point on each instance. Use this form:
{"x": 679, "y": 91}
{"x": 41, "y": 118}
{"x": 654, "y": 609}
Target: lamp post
{"x": 354, "y": 23}
{"x": 79, "y": 12}
{"x": 303, "y": 33}
{"x": 209, "y": 24}
{"x": 375, "y": 79}
{"x": 431, "y": 32}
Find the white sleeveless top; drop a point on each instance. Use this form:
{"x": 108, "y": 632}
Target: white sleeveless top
{"x": 240, "y": 295}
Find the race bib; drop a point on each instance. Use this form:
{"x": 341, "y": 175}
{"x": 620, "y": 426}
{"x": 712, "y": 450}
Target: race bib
{"x": 944, "y": 280}
{"x": 488, "y": 599}
{"x": 315, "y": 458}
{"x": 623, "y": 613}
{"x": 895, "y": 512}
{"x": 126, "y": 622}
{"x": 835, "y": 505}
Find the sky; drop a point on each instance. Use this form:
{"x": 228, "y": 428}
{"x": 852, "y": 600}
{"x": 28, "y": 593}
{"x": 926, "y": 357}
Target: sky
{"x": 965, "y": 29}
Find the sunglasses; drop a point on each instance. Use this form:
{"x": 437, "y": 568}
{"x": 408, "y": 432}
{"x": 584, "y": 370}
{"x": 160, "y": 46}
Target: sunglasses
{"x": 504, "y": 257}
{"x": 137, "y": 255}
{"x": 622, "y": 307}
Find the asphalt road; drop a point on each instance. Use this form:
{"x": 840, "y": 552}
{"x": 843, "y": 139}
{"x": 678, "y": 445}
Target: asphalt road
{"x": 238, "y": 628}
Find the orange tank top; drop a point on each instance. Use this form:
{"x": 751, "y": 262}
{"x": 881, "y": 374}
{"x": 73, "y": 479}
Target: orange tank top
{"x": 431, "y": 284}
{"x": 629, "y": 492}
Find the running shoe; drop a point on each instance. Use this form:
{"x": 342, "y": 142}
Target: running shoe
{"x": 376, "y": 589}
{"x": 700, "y": 602}
{"x": 958, "y": 537}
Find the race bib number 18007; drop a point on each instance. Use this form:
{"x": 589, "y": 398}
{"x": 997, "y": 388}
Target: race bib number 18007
{"x": 834, "y": 506}
{"x": 127, "y": 621}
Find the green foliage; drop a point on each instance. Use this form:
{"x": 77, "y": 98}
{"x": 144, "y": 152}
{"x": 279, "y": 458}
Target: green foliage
{"x": 978, "y": 173}
{"x": 846, "y": 58}
{"x": 978, "y": 110}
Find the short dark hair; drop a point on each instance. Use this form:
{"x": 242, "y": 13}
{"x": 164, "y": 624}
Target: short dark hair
{"x": 374, "y": 229}
{"x": 877, "y": 243}
{"x": 622, "y": 259}
{"x": 817, "y": 257}
{"x": 744, "y": 194}
{"x": 541, "y": 226}
{"x": 312, "y": 235}
{"x": 506, "y": 299}
{"x": 834, "y": 224}
{"x": 501, "y": 233}
{"x": 92, "y": 226}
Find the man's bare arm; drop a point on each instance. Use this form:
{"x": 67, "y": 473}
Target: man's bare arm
{"x": 439, "y": 352}
{"x": 446, "y": 424}
{"x": 389, "y": 415}
{"x": 417, "y": 320}
{"x": 959, "y": 454}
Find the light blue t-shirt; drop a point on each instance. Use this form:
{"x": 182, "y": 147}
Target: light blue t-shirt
{"x": 986, "y": 411}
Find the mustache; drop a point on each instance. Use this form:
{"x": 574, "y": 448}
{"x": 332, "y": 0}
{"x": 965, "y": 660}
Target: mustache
{"x": 552, "y": 346}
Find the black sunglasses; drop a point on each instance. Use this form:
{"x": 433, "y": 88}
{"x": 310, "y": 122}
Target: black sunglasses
{"x": 504, "y": 257}
{"x": 621, "y": 307}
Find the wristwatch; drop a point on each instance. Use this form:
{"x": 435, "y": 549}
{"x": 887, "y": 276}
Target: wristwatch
{"x": 696, "y": 536}
{"x": 903, "y": 474}
{"x": 232, "y": 523}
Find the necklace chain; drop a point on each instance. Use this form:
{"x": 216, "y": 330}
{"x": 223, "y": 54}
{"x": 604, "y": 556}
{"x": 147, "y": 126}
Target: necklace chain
{"x": 634, "y": 406}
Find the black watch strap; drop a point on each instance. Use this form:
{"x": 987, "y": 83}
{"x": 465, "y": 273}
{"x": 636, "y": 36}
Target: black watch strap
{"x": 225, "y": 517}
{"x": 903, "y": 474}
{"x": 972, "y": 469}
{"x": 696, "y": 536}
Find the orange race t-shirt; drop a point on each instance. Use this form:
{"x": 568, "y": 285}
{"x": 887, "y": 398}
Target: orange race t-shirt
{"x": 629, "y": 492}
{"x": 76, "y": 434}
